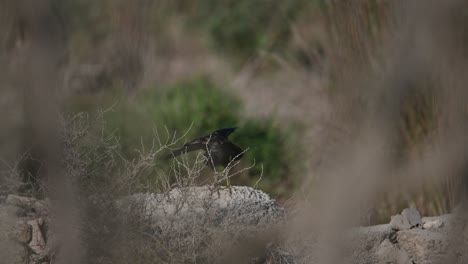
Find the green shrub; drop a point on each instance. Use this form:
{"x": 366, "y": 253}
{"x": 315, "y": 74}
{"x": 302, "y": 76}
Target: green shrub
{"x": 268, "y": 144}
{"x": 198, "y": 102}
{"x": 275, "y": 151}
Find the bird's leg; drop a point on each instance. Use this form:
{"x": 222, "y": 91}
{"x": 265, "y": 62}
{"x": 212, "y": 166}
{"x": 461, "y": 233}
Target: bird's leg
{"x": 215, "y": 182}
{"x": 228, "y": 181}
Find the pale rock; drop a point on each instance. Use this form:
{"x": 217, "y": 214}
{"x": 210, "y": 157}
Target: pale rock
{"x": 399, "y": 222}
{"x": 20, "y": 201}
{"x": 433, "y": 223}
{"x": 38, "y": 242}
{"x": 361, "y": 243}
{"x": 413, "y": 216}
{"x": 179, "y": 208}
{"x": 41, "y": 207}
{"x": 23, "y": 232}
{"x": 11, "y": 250}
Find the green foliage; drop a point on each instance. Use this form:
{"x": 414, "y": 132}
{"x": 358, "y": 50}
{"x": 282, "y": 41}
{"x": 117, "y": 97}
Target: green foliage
{"x": 242, "y": 27}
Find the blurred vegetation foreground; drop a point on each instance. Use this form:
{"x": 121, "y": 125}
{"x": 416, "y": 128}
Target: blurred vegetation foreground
{"x": 199, "y": 65}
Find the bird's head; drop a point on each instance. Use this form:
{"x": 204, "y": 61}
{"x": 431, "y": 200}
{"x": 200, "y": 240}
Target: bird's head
{"x": 225, "y": 132}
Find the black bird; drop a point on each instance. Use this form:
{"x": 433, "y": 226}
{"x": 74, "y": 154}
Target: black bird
{"x": 219, "y": 151}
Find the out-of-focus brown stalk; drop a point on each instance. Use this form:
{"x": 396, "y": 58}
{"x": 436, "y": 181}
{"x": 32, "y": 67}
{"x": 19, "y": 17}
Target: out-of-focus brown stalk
{"x": 34, "y": 64}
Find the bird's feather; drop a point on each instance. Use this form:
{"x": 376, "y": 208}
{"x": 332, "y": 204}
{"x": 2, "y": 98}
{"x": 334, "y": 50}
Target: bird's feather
{"x": 225, "y": 132}
{"x": 196, "y": 144}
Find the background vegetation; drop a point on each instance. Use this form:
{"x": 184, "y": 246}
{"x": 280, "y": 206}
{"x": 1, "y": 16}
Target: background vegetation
{"x": 194, "y": 108}
{"x": 201, "y": 64}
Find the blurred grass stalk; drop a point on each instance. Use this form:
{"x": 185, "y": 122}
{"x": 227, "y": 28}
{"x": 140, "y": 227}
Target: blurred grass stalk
{"x": 32, "y": 49}
{"x": 368, "y": 39}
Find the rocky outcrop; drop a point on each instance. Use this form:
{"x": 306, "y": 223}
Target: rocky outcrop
{"x": 237, "y": 206}
{"x": 409, "y": 218}
{"x": 26, "y": 235}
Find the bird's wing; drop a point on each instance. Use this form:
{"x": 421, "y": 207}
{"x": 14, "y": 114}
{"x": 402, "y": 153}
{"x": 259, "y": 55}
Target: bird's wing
{"x": 197, "y": 144}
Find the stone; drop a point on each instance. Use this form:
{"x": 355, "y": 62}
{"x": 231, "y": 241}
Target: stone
{"x": 359, "y": 243}
{"x": 14, "y": 210}
{"x": 399, "y": 222}
{"x": 407, "y": 239}
{"x": 409, "y": 218}
{"x": 433, "y": 223}
{"x": 20, "y": 201}
{"x": 38, "y": 242}
{"x": 11, "y": 251}
{"x": 37, "y": 259}
{"x": 23, "y": 232}
{"x": 413, "y": 216}
{"x": 30, "y": 205}
{"x": 41, "y": 207}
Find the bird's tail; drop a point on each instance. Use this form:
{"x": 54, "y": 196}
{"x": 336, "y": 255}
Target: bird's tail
{"x": 191, "y": 146}
{"x": 226, "y": 131}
